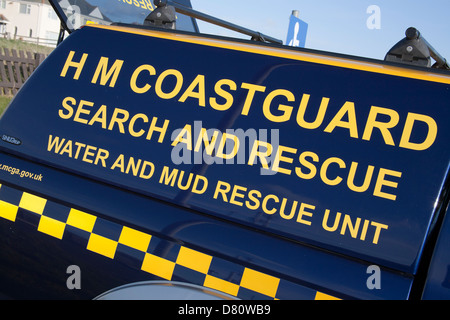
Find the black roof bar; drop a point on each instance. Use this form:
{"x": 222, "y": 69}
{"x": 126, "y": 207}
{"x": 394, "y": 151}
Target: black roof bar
{"x": 213, "y": 20}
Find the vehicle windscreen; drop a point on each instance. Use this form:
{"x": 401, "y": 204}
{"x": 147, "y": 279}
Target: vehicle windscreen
{"x": 76, "y": 13}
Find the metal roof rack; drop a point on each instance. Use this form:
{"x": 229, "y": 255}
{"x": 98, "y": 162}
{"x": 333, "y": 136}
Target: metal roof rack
{"x": 255, "y": 35}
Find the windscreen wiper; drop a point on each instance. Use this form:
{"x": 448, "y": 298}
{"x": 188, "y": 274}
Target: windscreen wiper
{"x": 163, "y": 6}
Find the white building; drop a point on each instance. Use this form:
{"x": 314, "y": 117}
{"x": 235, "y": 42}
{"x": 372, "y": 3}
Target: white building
{"x": 31, "y": 20}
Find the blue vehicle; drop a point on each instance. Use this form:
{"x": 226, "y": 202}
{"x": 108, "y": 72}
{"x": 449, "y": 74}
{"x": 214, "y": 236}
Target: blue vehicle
{"x": 143, "y": 161}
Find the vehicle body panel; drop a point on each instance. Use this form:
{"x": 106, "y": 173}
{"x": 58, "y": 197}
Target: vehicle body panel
{"x": 437, "y": 285}
{"x": 294, "y": 273}
{"x": 103, "y": 139}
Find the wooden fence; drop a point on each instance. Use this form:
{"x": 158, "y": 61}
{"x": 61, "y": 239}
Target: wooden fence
{"x": 15, "y": 68}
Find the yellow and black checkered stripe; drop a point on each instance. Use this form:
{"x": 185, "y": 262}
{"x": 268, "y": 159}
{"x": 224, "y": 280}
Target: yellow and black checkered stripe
{"x": 204, "y": 269}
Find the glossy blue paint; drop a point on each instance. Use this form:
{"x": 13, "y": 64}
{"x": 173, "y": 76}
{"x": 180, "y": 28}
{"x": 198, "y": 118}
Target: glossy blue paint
{"x": 299, "y": 248}
{"x": 302, "y": 268}
{"x": 437, "y": 286}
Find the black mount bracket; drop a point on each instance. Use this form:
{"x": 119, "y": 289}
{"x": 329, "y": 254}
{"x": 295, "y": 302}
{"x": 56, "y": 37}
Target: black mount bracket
{"x": 415, "y": 50}
{"x": 163, "y": 16}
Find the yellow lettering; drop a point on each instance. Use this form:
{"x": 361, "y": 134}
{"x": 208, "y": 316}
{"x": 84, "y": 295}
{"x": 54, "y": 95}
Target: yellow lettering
{"x": 132, "y": 123}
{"x": 260, "y": 154}
{"x": 224, "y": 94}
{"x": 203, "y": 136}
{"x": 80, "y": 110}
{"x": 168, "y": 179}
{"x": 67, "y": 149}
{"x": 222, "y": 188}
{"x": 252, "y": 88}
{"x": 382, "y": 126}
{"x": 78, "y": 65}
{"x": 67, "y": 107}
{"x": 282, "y": 209}
{"x": 175, "y": 90}
{"x": 120, "y": 121}
{"x": 235, "y": 194}
{"x": 347, "y": 223}
{"x": 335, "y": 224}
{"x": 142, "y": 174}
{"x": 287, "y": 110}
{"x": 79, "y": 147}
{"x": 279, "y": 157}
{"x": 133, "y": 166}
{"x": 320, "y": 114}
{"x": 324, "y": 168}
{"x": 223, "y": 141}
{"x": 253, "y": 195}
{"x": 367, "y": 178}
{"x": 54, "y": 142}
{"x": 180, "y": 181}
{"x": 99, "y": 116}
{"x": 162, "y": 130}
{"x": 106, "y": 74}
{"x": 102, "y": 155}
{"x": 347, "y": 108}
{"x": 196, "y": 183}
{"x": 185, "y": 136}
{"x": 303, "y": 212}
{"x": 119, "y": 163}
{"x": 378, "y": 227}
{"x": 151, "y": 70}
{"x": 199, "y": 82}
{"x": 364, "y": 230}
{"x": 411, "y": 119}
{"x": 312, "y": 168}
{"x": 264, "y": 204}
{"x": 381, "y": 181}
{"x": 89, "y": 153}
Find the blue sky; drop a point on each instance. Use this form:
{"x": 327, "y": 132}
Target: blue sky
{"x": 338, "y": 25}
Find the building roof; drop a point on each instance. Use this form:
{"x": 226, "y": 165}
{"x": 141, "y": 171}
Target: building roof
{"x": 33, "y": 1}
{"x": 85, "y": 7}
